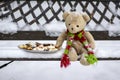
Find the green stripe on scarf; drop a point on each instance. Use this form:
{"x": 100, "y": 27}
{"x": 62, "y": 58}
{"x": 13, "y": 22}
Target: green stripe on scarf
{"x": 70, "y": 34}
{"x": 80, "y": 35}
{"x": 69, "y": 43}
{"x": 66, "y": 51}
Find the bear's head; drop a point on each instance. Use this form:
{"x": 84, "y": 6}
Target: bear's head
{"x": 75, "y": 22}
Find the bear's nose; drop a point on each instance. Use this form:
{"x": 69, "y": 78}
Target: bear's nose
{"x": 72, "y": 28}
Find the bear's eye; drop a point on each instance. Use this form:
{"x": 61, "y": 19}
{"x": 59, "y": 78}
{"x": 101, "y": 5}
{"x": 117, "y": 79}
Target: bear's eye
{"x": 69, "y": 24}
{"x": 77, "y": 25}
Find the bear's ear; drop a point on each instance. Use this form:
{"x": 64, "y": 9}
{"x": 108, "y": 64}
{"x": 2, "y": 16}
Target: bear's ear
{"x": 65, "y": 14}
{"x": 86, "y": 17}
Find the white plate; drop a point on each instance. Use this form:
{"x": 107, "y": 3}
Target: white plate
{"x": 40, "y": 51}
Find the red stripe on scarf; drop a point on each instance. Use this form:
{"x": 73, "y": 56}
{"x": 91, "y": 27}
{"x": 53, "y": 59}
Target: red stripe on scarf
{"x": 82, "y": 39}
{"x": 90, "y": 52}
{"x": 86, "y": 46}
{"x": 68, "y": 47}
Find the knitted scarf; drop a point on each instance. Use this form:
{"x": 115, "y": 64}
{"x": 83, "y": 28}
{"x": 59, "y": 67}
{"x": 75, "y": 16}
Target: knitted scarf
{"x": 81, "y": 37}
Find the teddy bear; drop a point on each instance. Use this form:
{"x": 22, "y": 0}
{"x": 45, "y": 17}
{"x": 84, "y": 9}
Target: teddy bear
{"x": 80, "y": 43}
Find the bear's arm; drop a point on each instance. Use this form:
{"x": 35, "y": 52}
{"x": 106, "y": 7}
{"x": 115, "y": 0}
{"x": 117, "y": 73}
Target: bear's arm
{"x": 61, "y": 39}
{"x": 90, "y": 39}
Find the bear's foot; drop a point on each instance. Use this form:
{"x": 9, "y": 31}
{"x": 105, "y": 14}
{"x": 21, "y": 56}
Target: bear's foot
{"x": 83, "y": 60}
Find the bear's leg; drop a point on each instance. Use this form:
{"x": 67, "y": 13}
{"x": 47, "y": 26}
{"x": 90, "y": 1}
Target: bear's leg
{"x": 81, "y": 51}
{"x": 83, "y": 60}
{"x": 77, "y": 46}
{"x": 73, "y": 54}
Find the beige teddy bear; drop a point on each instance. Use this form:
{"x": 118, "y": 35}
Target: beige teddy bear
{"x": 80, "y": 43}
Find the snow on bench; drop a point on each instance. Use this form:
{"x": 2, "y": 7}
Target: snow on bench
{"x": 9, "y": 50}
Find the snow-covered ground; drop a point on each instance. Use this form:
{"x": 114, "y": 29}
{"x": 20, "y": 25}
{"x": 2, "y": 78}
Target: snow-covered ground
{"x": 50, "y": 70}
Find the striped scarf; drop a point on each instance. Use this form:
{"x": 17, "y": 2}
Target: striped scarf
{"x": 81, "y": 37}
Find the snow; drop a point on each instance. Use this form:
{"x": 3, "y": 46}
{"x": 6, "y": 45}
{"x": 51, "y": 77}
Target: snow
{"x": 33, "y": 27}
{"x": 50, "y": 70}
{"x": 107, "y": 48}
{"x": 12, "y": 50}
{"x": 114, "y": 30}
{"x": 7, "y": 27}
{"x": 54, "y": 28}
{"x": 9, "y": 49}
